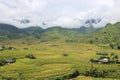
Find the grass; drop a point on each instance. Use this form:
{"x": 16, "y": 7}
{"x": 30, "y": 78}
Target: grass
{"x": 50, "y": 62}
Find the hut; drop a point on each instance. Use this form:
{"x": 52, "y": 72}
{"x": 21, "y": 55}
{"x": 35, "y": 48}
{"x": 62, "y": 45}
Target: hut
{"x": 100, "y": 60}
{"x": 2, "y": 47}
{"x": 104, "y": 60}
{"x": 9, "y": 61}
{"x": 11, "y": 48}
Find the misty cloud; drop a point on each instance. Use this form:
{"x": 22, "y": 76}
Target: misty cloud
{"x": 66, "y": 13}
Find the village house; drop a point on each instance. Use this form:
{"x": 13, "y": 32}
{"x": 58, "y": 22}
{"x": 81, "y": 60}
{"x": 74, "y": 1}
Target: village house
{"x": 1, "y": 47}
{"x": 9, "y": 61}
{"x": 104, "y": 60}
{"x": 101, "y": 60}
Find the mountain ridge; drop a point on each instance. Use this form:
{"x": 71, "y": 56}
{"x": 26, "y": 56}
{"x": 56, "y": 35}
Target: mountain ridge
{"x": 7, "y": 29}
{"x": 109, "y": 33}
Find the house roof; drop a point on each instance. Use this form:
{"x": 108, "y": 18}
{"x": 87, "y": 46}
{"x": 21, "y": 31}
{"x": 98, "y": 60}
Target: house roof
{"x": 104, "y": 60}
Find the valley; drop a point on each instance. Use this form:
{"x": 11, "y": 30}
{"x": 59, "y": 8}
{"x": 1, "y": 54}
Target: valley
{"x": 59, "y": 53}
{"x": 59, "y": 39}
{"x": 51, "y": 62}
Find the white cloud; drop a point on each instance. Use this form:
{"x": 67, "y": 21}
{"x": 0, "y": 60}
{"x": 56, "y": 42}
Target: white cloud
{"x": 66, "y": 13}
{"x": 67, "y": 22}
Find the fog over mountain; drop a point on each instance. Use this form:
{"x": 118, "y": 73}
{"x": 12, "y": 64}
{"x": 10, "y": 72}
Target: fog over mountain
{"x": 65, "y": 13}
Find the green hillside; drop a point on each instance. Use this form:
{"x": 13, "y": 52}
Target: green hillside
{"x": 33, "y": 31}
{"x": 9, "y": 32}
{"x": 86, "y": 30}
{"x": 58, "y": 53}
{"x": 58, "y": 33}
{"x": 108, "y": 34}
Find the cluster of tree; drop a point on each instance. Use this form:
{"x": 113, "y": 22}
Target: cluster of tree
{"x": 96, "y": 72}
{"x": 65, "y": 54}
{"x": 115, "y": 45}
{"x": 70, "y": 40}
{"x": 114, "y": 58}
{"x": 8, "y": 78}
{"x": 31, "y": 56}
{"x": 101, "y": 53}
{"x": 69, "y": 76}
{"x": 2, "y": 62}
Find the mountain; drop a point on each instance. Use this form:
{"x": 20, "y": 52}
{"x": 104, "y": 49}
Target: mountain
{"x": 110, "y": 33}
{"x": 86, "y": 30}
{"x": 10, "y": 28}
{"x": 8, "y": 31}
{"x": 56, "y": 32}
{"x": 34, "y": 30}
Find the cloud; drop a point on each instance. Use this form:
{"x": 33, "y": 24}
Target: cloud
{"x": 65, "y": 13}
{"x": 67, "y": 22}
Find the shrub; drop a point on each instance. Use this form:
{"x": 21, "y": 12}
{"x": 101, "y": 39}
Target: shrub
{"x": 116, "y": 45}
{"x": 91, "y": 41}
{"x": 8, "y": 78}
{"x": 111, "y": 45}
{"x": 95, "y": 73}
{"x": 69, "y": 76}
{"x": 2, "y": 62}
{"x": 31, "y": 56}
{"x": 102, "y": 53}
{"x": 25, "y": 48}
{"x": 74, "y": 74}
{"x": 57, "y": 79}
{"x": 70, "y": 41}
{"x": 64, "y": 54}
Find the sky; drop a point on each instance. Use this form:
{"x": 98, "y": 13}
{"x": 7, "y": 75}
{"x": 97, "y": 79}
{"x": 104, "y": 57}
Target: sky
{"x": 65, "y": 13}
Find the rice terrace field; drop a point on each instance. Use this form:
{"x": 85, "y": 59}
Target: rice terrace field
{"x": 59, "y": 39}
{"x": 55, "y": 60}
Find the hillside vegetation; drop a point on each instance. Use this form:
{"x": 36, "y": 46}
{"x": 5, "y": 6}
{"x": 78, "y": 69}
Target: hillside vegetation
{"x": 110, "y": 33}
{"x": 8, "y": 32}
{"x": 58, "y": 53}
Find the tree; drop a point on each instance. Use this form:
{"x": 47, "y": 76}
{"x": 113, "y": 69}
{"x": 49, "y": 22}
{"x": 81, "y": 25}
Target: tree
{"x": 2, "y": 62}
{"x": 31, "y": 56}
{"x": 115, "y": 58}
{"x": 111, "y": 45}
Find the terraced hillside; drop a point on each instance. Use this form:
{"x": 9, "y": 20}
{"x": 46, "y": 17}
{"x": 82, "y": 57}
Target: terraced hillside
{"x": 54, "y": 60}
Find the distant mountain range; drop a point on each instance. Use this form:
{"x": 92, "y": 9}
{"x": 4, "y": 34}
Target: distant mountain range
{"x": 109, "y": 33}
{"x": 8, "y": 31}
